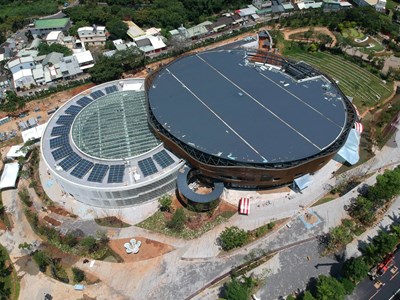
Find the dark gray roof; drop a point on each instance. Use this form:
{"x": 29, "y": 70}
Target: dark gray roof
{"x": 217, "y": 104}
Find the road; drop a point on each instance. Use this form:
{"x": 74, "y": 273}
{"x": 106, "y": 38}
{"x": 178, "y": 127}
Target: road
{"x": 367, "y": 290}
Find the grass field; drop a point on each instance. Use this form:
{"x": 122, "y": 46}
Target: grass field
{"x": 352, "y": 33}
{"x": 366, "y": 88}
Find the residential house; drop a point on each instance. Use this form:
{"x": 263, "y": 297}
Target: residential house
{"x": 7, "y": 49}
{"x": 52, "y": 58}
{"x": 150, "y": 44}
{"x": 85, "y": 59}
{"x": 134, "y": 30}
{"x": 38, "y": 75}
{"x": 4, "y": 83}
{"x": 93, "y": 35}
{"x": 45, "y": 26}
{"x": 69, "y": 67}
{"x": 225, "y": 22}
{"x": 23, "y": 79}
{"x": 262, "y": 4}
{"x": 20, "y": 63}
{"x": 69, "y": 41}
{"x": 55, "y": 37}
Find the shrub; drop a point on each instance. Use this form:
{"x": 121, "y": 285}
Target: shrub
{"x": 178, "y": 220}
{"x": 232, "y": 237}
{"x": 165, "y": 203}
{"x": 79, "y": 275}
{"x": 89, "y": 244}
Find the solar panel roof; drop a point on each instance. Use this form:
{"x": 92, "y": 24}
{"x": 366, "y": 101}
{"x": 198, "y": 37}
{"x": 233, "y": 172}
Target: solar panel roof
{"x": 61, "y": 152}
{"x": 111, "y": 89}
{"x": 84, "y": 101}
{"x": 60, "y": 130}
{"x": 229, "y": 108}
{"x": 147, "y": 166}
{"x": 65, "y": 119}
{"x": 82, "y": 168}
{"x": 70, "y": 161}
{"x": 163, "y": 159}
{"x": 98, "y": 173}
{"x": 116, "y": 173}
{"x": 59, "y": 141}
{"x": 73, "y": 110}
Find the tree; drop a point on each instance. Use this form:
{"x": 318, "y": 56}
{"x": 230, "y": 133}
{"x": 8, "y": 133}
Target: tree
{"x": 348, "y": 285}
{"x": 89, "y": 244}
{"x": 45, "y": 49}
{"x": 387, "y": 186}
{"x": 165, "y": 203}
{"x": 234, "y": 290}
{"x": 105, "y": 70}
{"x": 328, "y": 288}
{"x": 42, "y": 260}
{"x": 117, "y": 28}
{"x": 308, "y": 296}
{"x": 232, "y": 237}
{"x": 385, "y": 243}
{"x": 178, "y": 220}
{"x": 78, "y": 274}
{"x": 355, "y": 269}
{"x": 362, "y": 209}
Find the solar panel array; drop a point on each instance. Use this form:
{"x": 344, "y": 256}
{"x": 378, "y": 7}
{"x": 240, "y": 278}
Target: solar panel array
{"x": 163, "y": 159}
{"x": 116, "y": 173}
{"x": 58, "y": 141}
{"x": 82, "y": 168}
{"x": 60, "y": 130}
{"x": 73, "y": 110}
{"x": 61, "y": 152}
{"x": 96, "y": 94}
{"x": 65, "y": 119}
{"x": 98, "y": 173}
{"x": 147, "y": 166}
{"x": 70, "y": 161}
{"x": 84, "y": 101}
{"x": 111, "y": 89}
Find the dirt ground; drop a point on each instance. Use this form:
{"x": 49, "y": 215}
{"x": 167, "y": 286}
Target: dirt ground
{"x": 43, "y": 105}
{"x": 148, "y": 249}
{"x": 324, "y": 30}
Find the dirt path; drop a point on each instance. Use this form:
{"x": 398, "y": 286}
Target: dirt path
{"x": 324, "y": 30}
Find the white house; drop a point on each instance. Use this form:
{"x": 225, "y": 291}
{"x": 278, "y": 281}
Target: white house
{"x": 21, "y": 63}
{"x": 85, "y": 59}
{"x": 23, "y": 79}
{"x": 93, "y": 35}
{"x": 55, "y": 37}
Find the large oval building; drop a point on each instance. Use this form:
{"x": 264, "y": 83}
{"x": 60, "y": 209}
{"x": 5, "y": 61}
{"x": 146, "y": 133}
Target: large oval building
{"x": 248, "y": 119}
{"x": 99, "y": 148}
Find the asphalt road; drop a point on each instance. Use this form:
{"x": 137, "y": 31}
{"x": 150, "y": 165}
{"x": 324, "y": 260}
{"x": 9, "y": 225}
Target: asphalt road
{"x": 366, "y": 290}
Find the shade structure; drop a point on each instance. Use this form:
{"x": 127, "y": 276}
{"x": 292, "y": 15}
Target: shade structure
{"x": 350, "y": 151}
{"x": 303, "y": 181}
{"x": 9, "y": 176}
{"x": 244, "y": 206}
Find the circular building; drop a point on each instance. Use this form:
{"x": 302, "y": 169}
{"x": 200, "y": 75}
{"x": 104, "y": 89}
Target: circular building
{"x": 100, "y": 150}
{"x": 249, "y": 120}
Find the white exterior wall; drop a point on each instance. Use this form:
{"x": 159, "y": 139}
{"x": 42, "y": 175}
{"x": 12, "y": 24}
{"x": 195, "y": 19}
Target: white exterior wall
{"x": 121, "y": 197}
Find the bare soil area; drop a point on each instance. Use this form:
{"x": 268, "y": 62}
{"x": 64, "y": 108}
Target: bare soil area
{"x": 149, "y": 249}
{"x": 288, "y": 32}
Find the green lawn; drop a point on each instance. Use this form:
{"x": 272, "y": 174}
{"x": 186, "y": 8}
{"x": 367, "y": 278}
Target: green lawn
{"x": 366, "y": 88}
{"x": 352, "y": 33}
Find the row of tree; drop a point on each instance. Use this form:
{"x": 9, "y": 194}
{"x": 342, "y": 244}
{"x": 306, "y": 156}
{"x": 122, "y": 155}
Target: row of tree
{"x": 364, "y": 207}
{"x": 159, "y": 13}
{"x": 366, "y": 17}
